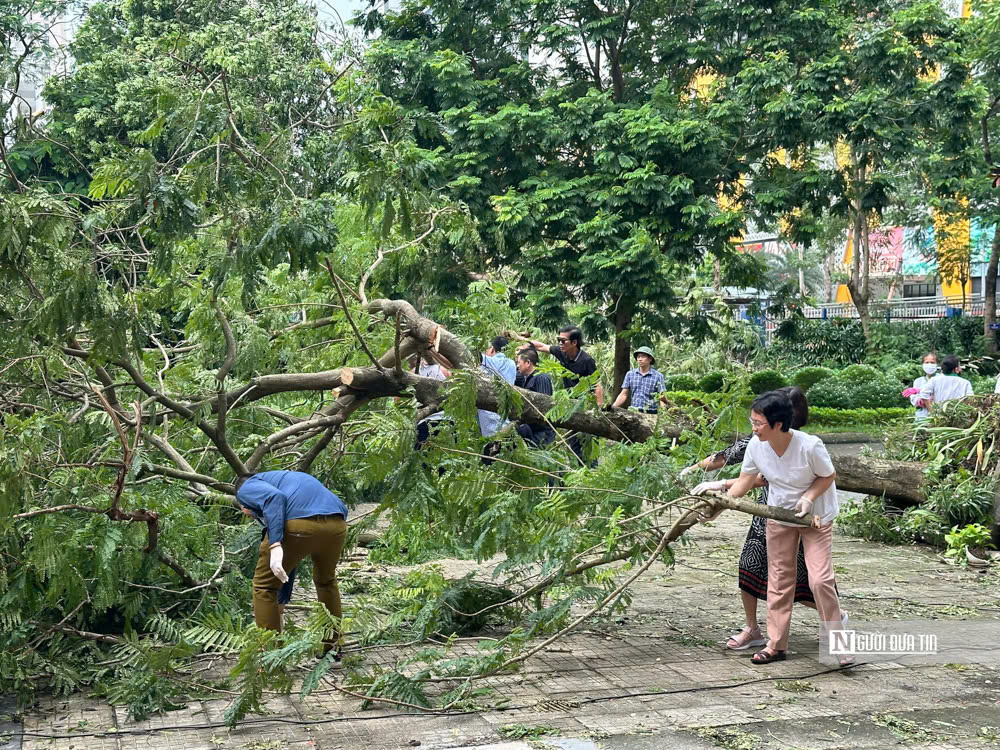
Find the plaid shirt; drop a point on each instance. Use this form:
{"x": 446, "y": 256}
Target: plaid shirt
{"x": 643, "y": 387}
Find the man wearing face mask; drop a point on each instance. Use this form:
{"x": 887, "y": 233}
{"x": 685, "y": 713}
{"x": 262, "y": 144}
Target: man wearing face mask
{"x": 930, "y": 367}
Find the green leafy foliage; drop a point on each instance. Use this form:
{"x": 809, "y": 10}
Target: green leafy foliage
{"x": 711, "y": 383}
{"x": 839, "y": 342}
{"x": 857, "y": 387}
{"x": 766, "y": 380}
{"x": 681, "y": 382}
{"x": 971, "y": 536}
{"x": 807, "y": 377}
{"x": 831, "y": 417}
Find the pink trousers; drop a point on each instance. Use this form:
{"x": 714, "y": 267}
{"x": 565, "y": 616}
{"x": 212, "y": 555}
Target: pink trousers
{"x": 782, "y": 548}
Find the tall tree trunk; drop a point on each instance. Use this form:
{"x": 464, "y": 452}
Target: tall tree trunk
{"x": 857, "y": 284}
{"x": 802, "y": 274}
{"x": 623, "y": 350}
{"x": 990, "y": 298}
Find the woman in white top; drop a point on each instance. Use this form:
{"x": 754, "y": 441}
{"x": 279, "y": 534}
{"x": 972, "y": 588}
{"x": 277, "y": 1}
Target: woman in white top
{"x": 800, "y": 477}
{"x": 946, "y": 385}
{"x": 930, "y": 367}
{"x": 426, "y": 367}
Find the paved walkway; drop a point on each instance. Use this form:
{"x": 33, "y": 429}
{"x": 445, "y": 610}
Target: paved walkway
{"x": 656, "y": 677}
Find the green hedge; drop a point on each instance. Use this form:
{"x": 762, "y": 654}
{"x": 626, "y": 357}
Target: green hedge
{"x": 681, "y": 382}
{"x": 712, "y": 382}
{"x": 846, "y": 417}
{"x": 820, "y": 415}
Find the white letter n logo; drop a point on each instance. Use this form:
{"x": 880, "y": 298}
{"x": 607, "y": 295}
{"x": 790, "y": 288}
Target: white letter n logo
{"x": 842, "y": 642}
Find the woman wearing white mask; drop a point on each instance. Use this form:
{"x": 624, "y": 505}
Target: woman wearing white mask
{"x": 946, "y": 385}
{"x": 930, "y": 366}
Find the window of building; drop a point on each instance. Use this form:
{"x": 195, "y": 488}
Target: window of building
{"x": 911, "y": 291}
{"x": 977, "y": 286}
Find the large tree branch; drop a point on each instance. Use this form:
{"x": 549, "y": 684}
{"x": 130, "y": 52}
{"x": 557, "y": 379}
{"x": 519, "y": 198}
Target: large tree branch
{"x": 421, "y": 331}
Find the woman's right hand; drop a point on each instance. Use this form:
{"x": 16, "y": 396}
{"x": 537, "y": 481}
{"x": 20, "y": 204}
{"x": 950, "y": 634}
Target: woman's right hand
{"x": 689, "y": 470}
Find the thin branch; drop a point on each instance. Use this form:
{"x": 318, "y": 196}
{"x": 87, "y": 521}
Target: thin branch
{"x": 347, "y": 312}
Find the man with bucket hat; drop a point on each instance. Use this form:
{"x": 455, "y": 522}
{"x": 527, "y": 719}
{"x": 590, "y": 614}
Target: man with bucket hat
{"x": 643, "y": 383}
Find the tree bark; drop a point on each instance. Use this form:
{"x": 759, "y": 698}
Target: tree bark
{"x": 858, "y": 283}
{"x": 899, "y": 480}
{"x": 623, "y": 362}
{"x": 990, "y": 298}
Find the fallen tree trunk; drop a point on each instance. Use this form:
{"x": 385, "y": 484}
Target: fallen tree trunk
{"x": 616, "y": 424}
{"x": 899, "y": 480}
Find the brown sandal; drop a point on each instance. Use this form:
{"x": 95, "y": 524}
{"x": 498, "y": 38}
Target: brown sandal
{"x": 766, "y": 657}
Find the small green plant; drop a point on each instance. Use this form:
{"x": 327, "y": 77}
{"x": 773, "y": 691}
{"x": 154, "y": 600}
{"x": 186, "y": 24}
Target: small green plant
{"x": 807, "y": 377}
{"x": 766, "y": 380}
{"x": 973, "y": 536}
{"x": 871, "y": 520}
{"x": 711, "y": 383}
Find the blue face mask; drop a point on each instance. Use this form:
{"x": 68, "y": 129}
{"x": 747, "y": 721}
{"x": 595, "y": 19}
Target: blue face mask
{"x": 930, "y": 368}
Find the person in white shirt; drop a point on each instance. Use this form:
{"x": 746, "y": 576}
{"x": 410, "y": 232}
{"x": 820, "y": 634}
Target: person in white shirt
{"x": 930, "y": 366}
{"x": 800, "y": 477}
{"x": 946, "y": 385}
{"x": 997, "y": 389}
{"x": 425, "y": 366}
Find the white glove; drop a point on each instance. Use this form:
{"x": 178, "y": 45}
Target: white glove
{"x": 689, "y": 470}
{"x": 719, "y": 485}
{"x": 277, "y": 555}
{"x": 803, "y": 507}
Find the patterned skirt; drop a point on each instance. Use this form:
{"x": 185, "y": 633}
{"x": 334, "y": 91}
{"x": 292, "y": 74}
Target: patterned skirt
{"x": 753, "y": 562}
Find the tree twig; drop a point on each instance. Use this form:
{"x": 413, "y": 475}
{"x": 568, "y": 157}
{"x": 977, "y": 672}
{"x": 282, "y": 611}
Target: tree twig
{"x": 347, "y": 312}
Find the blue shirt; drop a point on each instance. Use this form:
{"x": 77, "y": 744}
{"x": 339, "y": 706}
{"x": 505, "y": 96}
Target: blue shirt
{"x": 503, "y": 367}
{"x": 278, "y": 496}
{"x": 642, "y": 388}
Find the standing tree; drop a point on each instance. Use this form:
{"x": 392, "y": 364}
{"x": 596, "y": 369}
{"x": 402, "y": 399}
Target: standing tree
{"x": 582, "y": 146}
{"x": 876, "y": 81}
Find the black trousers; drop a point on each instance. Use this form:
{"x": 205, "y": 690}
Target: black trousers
{"x": 536, "y": 434}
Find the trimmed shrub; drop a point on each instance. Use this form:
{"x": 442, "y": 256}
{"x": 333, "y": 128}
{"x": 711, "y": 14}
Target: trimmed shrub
{"x": 840, "y": 392}
{"x": 907, "y": 373}
{"x": 681, "y": 383}
{"x": 766, "y": 380}
{"x": 807, "y": 377}
{"x": 858, "y": 374}
{"x": 711, "y": 383}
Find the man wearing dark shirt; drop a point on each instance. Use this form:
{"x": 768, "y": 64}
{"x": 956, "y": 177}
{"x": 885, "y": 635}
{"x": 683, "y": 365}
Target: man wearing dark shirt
{"x": 570, "y": 354}
{"x": 538, "y": 432}
{"x": 302, "y": 518}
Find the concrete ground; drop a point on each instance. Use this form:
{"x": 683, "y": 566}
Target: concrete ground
{"x": 657, "y": 677}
